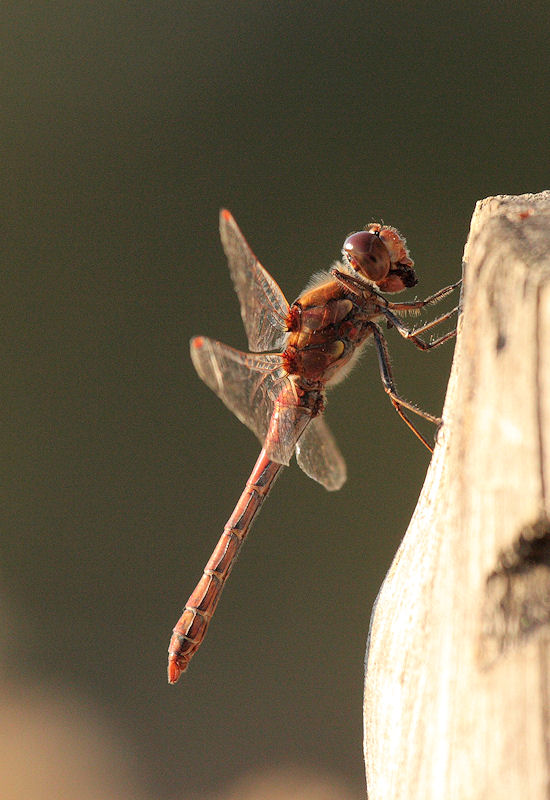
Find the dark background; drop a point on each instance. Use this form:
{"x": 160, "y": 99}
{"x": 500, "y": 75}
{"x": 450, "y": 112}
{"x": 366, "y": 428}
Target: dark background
{"x": 125, "y": 126}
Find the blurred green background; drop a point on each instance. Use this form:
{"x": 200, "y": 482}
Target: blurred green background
{"x": 125, "y": 127}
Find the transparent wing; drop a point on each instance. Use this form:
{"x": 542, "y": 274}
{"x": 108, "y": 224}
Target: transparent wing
{"x": 319, "y": 456}
{"x": 247, "y": 383}
{"x": 263, "y": 305}
{"x": 286, "y": 426}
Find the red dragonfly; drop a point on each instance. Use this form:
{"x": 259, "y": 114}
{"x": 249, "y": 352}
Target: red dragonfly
{"x": 280, "y": 395}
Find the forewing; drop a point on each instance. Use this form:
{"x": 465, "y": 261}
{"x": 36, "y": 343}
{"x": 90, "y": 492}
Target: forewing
{"x": 319, "y": 456}
{"x": 247, "y": 383}
{"x": 264, "y": 308}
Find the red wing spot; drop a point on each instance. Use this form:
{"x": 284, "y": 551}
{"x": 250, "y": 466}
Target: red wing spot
{"x": 198, "y": 342}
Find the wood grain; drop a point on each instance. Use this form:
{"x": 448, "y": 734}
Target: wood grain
{"x": 457, "y": 686}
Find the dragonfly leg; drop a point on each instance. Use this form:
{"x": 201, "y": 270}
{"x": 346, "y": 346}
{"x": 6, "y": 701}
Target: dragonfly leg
{"x": 414, "y": 335}
{"x": 358, "y": 286}
{"x": 418, "y": 305}
{"x": 398, "y": 402}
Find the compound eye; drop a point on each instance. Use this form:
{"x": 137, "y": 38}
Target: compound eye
{"x": 368, "y": 255}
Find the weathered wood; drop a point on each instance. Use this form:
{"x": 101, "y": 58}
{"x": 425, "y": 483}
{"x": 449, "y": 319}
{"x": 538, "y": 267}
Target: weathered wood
{"x": 457, "y": 687}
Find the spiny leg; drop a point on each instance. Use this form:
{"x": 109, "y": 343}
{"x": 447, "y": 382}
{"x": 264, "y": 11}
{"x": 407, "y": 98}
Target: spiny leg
{"x": 418, "y": 305}
{"x": 398, "y": 402}
{"x": 414, "y": 335}
{"x": 356, "y": 285}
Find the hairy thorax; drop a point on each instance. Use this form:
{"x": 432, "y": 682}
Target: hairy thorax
{"x": 327, "y": 324}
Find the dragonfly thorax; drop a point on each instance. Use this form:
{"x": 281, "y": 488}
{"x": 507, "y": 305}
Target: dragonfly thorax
{"x": 326, "y": 325}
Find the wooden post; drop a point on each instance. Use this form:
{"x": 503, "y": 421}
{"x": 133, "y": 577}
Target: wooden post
{"x": 457, "y": 686}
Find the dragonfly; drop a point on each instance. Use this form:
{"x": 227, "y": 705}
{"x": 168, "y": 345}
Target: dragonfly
{"x": 278, "y": 389}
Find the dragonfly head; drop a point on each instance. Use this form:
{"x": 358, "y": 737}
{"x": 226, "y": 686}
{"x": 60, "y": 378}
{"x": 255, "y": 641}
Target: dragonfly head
{"x": 380, "y": 255}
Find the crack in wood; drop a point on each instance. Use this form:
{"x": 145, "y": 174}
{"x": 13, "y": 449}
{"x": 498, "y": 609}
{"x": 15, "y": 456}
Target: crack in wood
{"x": 539, "y": 355}
{"x": 517, "y": 593}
